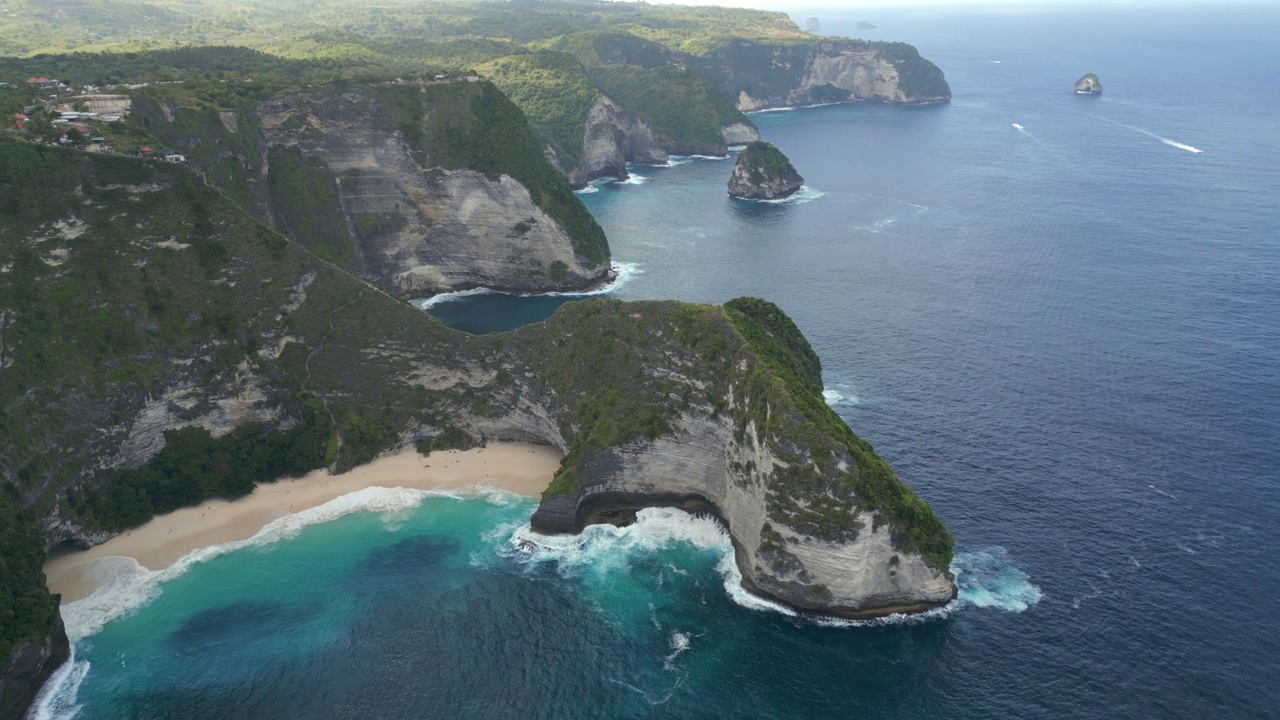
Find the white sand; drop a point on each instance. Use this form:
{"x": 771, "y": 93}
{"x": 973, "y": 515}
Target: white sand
{"x": 519, "y": 468}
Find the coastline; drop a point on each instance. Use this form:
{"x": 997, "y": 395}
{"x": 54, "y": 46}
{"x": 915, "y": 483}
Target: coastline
{"x": 521, "y": 468}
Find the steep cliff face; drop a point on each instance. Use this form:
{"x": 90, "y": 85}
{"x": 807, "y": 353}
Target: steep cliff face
{"x": 380, "y": 181}
{"x": 416, "y": 230}
{"x": 760, "y": 76}
{"x": 27, "y": 669}
{"x": 817, "y": 520}
{"x": 614, "y": 137}
{"x": 763, "y": 172}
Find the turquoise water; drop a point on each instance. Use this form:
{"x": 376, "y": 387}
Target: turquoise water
{"x": 410, "y": 604}
{"x": 1065, "y": 337}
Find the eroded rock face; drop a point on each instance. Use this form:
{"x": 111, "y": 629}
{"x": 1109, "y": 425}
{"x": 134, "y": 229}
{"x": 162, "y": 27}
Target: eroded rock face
{"x": 423, "y": 230}
{"x": 1088, "y": 85}
{"x": 614, "y": 137}
{"x": 844, "y": 560}
{"x": 865, "y": 577}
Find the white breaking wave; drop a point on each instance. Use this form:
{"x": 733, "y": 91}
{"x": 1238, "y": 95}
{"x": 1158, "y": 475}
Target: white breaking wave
{"x": 769, "y": 110}
{"x": 679, "y": 644}
{"x": 58, "y": 698}
{"x": 129, "y": 586}
{"x": 590, "y": 188}
{"x": 425, "y": 303}
{"x": 988, "y": 579}
{"x": 633, "y": 179}
{"x": 1148, "y": 133}
{"x": 835, "y": 397}
{"x": 803, "y": 195}
{"x": 985, "y": 578}
{"x": 623, "y": 273}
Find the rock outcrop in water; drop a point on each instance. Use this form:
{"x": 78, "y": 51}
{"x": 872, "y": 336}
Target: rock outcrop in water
{"x": 763, "y": 172}
{"x": 1088, "y": 85}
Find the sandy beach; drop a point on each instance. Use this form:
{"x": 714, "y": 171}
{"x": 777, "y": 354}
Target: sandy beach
{"x": 517, "y": 467}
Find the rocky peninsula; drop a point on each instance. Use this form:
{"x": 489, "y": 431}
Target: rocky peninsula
{"x": 763, "y": 172}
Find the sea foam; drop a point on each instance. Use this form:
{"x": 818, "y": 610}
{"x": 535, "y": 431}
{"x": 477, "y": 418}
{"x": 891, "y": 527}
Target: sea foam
{"x": 985, "y": 578}
{"x": 803, "y": 195}
{"x": 623, "y": 272}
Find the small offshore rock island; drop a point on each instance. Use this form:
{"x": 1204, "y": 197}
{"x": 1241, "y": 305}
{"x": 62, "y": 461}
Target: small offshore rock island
{"x": 763, "y": 172}
{"x": 1088, "y": 85}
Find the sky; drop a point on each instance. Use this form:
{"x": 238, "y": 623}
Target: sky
{"x": 805, "y": 5}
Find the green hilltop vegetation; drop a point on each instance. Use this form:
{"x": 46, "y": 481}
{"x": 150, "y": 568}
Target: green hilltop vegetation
{"x": 553, "y": 91}
{"x": 297, "y": 28}
{"x": 664, "y": 62}
{"x": 764, "y": 160}
{"x": 683, "y": 108}
{"x": 451, "y": 125}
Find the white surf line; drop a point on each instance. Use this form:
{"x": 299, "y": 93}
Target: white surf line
{"x": 1165, "y": 140}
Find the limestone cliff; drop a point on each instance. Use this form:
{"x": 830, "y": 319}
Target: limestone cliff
{"x": 763, "y": 172}
{"x": 613, "y": 137}
{"x": 760, "y": 76}
{"x": 379, "y": 180}
{"x": 817, "y": 520}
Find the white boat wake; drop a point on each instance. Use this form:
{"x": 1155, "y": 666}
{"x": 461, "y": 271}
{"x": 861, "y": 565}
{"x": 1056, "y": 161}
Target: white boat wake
{"x": 1165, "y": 140}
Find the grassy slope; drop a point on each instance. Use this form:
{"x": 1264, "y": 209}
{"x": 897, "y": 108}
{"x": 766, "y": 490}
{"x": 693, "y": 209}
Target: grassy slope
{"x": 553, "y": 91}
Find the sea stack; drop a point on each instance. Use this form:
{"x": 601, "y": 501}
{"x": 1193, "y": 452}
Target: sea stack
{"x": 763, "y": 173}
{"x": 1088, "y": 85}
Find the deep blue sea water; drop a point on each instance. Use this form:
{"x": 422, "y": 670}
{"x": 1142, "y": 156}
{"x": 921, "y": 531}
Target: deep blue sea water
{"x": 1065, "y": 337}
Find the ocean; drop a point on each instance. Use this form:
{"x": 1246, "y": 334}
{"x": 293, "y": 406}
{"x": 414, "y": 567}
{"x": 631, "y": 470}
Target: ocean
{"x": 1064, "y": 334}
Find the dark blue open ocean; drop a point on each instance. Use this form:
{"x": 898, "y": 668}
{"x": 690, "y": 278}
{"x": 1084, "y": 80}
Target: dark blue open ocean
{"x": 1065, "y": 336}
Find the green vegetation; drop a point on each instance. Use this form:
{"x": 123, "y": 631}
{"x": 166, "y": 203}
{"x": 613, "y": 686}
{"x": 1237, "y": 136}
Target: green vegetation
{"x": 592, "y": 353}
{"x": 827, "y": 512}
{"x": 917, "y": 77}
{"x": 193, "y": 466}
{"x": 473, "y": 125}
{"x": 27, "y": 611}
{"x": 680, "y": 105}
{"x": 368, "y": 33}
{"x": 307, "y": 205}
{"x": 612, "y": 48}
{"x": 763, "y": 162}
{"x": 554, "y": 92}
